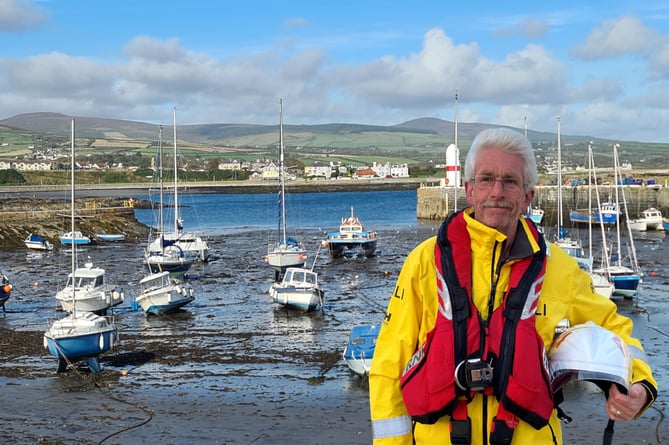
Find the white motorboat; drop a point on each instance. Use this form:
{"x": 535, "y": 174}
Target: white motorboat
{"x": 652, "y": 217}
{"x": 87, "y": 290}
{"x": 298, "y": 290}
{"x": 161, "y": 294}
{"x": 36, "y": 242}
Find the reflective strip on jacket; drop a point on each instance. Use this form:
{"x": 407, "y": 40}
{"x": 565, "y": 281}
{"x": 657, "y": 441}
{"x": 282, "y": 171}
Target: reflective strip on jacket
{"x": 567, "y": 293}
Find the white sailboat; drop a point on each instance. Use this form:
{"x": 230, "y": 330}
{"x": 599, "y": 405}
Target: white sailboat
{"x": 600, "y": 281}
{"x": 625, "y": 277}
{"x": 81, "y": 335}
{"x": 163, "y": 255}
{"x": 286, "y": 251}
{"x": 191, "y": 244}
{"x": 572, "y": 246}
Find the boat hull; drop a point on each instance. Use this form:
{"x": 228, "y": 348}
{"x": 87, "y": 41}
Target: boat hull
{"x": 359, "y": 350}
{"x": 280, "y": 259}
{"x": 339, "y": 247}
{"x": 81, "y": 337}
{"x": 36, "y": 242}
{"x": 78, "y": 239}
{"x": 193, "y": 246}
{"x": 580, "y": 216}
{"x": 626, "y": 285}
{"x": 96, "y": 301}
{"x": 161, "y": 296}
{"x": 176, "y": 265}
{"x": 298, "y": 299}
{"x": 4, "y": 296}
{"x": 110, "y": 238}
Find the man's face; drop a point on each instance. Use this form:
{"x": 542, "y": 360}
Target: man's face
{"x": 498, "y": 193}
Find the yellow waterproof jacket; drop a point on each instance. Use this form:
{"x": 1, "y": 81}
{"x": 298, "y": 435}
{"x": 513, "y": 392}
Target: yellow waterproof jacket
{"x": 567, "y": 292}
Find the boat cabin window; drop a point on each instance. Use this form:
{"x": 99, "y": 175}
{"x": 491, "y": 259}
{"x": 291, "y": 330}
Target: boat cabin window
{"x": 86, "y": 281}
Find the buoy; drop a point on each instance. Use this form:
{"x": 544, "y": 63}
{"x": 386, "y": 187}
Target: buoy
{"x": 653, "y": 273}
{"x": 124, "y": 372}
{"x": 36, "y": 283}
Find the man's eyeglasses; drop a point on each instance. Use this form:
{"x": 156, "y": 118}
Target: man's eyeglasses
{"x": 486, "y": 182}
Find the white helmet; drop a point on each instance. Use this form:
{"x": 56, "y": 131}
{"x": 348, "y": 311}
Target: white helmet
{"x": 589, "y": 352}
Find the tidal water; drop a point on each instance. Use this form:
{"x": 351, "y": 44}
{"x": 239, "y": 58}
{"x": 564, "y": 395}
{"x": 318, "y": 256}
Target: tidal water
{"x": 233, "y": 316}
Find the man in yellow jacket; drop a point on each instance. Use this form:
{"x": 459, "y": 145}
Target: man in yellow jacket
{"x": 500, "y": 177}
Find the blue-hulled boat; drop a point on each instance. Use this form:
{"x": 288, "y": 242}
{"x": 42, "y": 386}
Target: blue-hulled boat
{"x": 351, "y": 239}
{"x": 608, "y": 213}
{"x": 359, "y": 350}
{"x": 5, "y": 290}
{"x": 80, "y": 335}
{"x": 36, "y": 242}
{"x": 665, "y": 224}
{"x": 74, "y": 236}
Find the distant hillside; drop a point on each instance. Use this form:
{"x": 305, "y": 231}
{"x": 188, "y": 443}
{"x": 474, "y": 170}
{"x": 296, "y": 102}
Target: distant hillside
{"x": 102, "y": 128}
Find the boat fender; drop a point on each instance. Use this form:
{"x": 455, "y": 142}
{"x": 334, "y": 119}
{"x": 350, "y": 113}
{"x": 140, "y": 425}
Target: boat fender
{"x": 101, "y": 342}
{"x": 7, "y": 288}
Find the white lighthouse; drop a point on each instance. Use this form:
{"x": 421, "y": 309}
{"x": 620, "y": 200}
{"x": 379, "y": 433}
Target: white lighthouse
{"x": 452, "y": 166}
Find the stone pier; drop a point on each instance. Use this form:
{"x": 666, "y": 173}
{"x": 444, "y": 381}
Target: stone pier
{"x": 437, "y": 202}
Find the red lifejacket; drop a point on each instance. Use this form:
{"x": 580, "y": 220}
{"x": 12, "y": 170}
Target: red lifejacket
{"x": 512, "y": 347}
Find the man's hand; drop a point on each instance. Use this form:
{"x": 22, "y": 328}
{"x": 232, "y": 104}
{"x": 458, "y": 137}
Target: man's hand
{"x": 621, "y": 406}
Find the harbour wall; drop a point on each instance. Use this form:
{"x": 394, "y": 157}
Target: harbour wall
{"x": 437, "y": 202}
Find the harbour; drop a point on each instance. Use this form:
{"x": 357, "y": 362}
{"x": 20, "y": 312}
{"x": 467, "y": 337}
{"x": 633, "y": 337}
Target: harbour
{"x": 232, "y": 367}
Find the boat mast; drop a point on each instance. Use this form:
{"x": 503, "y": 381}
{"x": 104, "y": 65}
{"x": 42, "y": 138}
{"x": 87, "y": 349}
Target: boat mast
{"x": 455, "y": 192}
{"x": 176, "y": 192}
{"x": 161, "y": 222}
{"x": 559, "y": 180}
{"x": 72, "y": 225}
{"x": 282, "y": 189}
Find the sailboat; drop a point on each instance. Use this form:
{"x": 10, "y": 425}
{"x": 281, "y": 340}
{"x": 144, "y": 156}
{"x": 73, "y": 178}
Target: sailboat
{"x": 536, "y": 214}
{"x": 600, "y": 281}
{"x": 163, "y": 255}
{"x": 572, "y": 246}
{"x": 191, "y": 244}
{"x": 81, "y": 335}
{"x": 625, "y": 279}
{"x": 286, "y": 251}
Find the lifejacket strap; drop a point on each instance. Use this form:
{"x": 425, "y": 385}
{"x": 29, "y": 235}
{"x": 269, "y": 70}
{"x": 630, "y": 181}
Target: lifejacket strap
{"x": 503, "y": 426}
{"x": 460, "y": 425}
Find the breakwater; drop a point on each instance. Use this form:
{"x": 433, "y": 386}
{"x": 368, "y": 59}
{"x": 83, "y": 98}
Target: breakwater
{"x": 437, "y": 202}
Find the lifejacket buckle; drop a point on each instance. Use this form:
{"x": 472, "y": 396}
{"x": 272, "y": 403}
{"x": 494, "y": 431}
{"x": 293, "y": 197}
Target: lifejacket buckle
{"x": 473, "y": 374}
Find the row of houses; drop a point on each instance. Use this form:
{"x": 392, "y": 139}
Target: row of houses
{"x": 262, "y": 169}
{"x": 377, "y": 170}
{"x": 43, "y": 166}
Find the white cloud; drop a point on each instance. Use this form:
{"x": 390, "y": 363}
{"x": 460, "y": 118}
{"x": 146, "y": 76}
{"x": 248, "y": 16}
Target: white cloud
{"x": 626, "y": 35}
{"x": 20, "y": 15}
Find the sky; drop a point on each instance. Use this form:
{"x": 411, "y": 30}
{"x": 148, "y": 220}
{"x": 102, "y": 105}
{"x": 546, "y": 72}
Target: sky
{"x": 602, "y": 66}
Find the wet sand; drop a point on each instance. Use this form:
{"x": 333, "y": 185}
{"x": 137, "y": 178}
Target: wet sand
{"x": 234, "y": 369}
